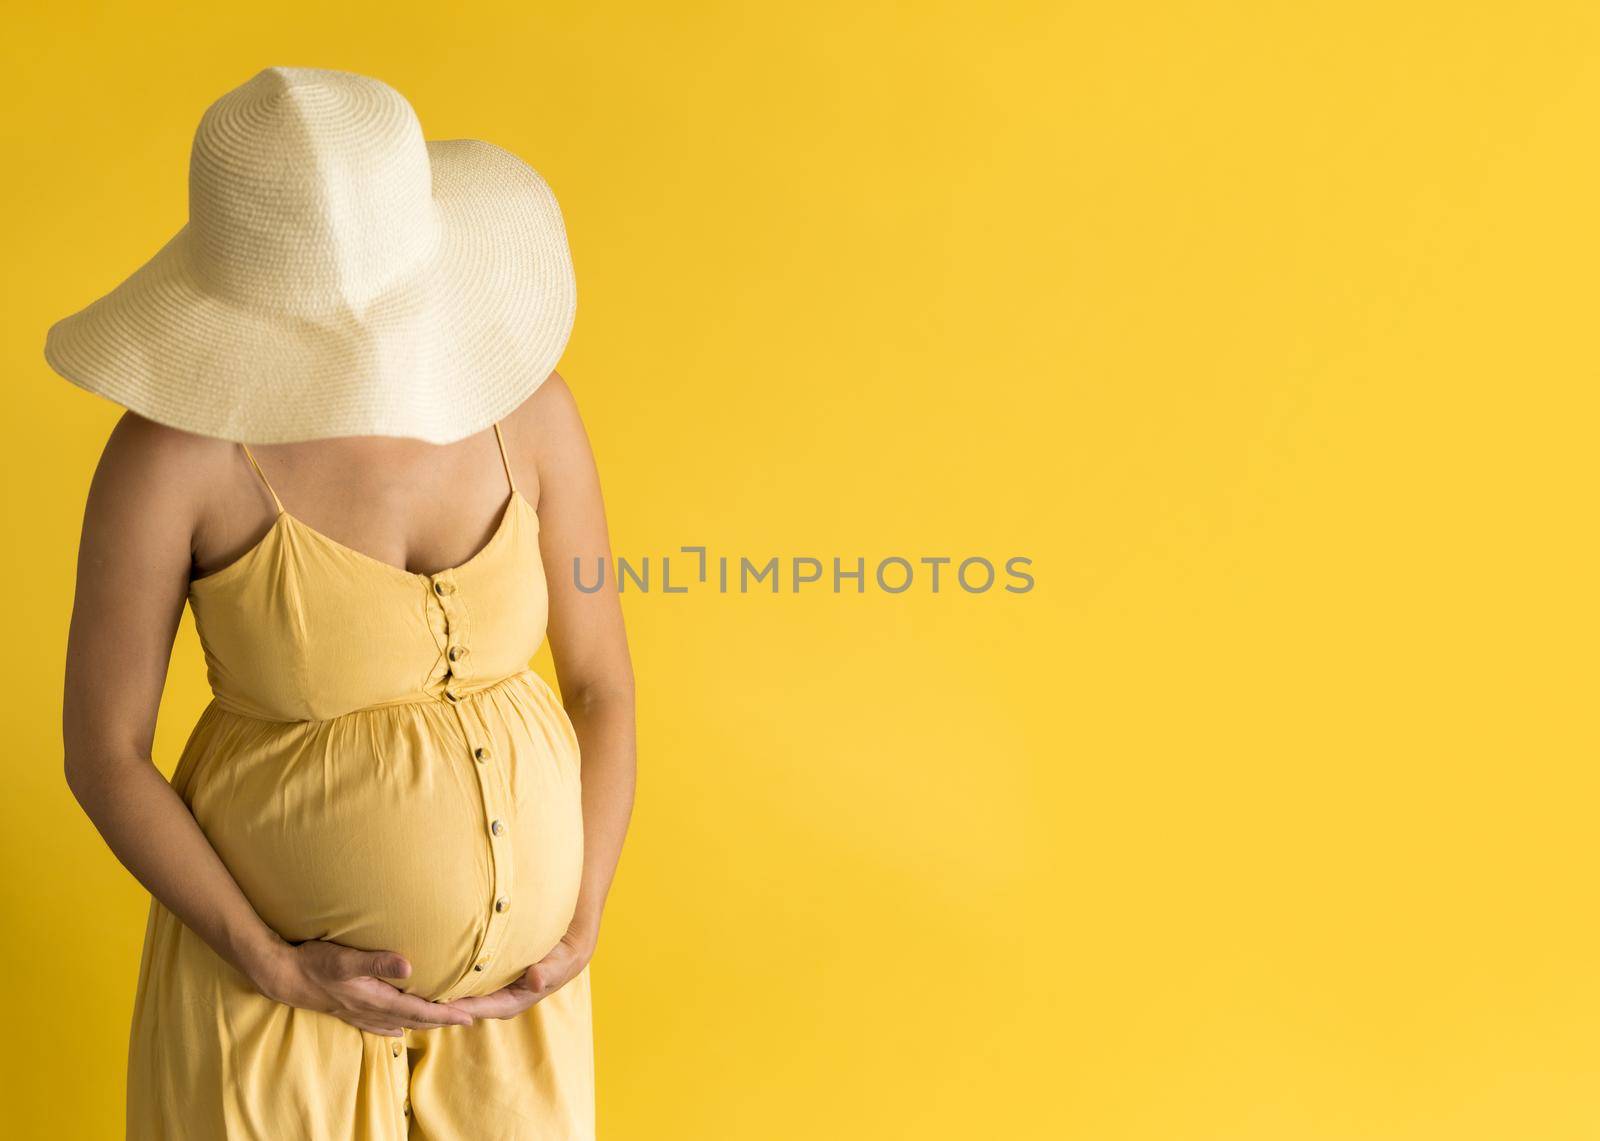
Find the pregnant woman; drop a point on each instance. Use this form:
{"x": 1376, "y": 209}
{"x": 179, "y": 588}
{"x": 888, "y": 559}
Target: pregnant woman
{"x": 379, "y": 867}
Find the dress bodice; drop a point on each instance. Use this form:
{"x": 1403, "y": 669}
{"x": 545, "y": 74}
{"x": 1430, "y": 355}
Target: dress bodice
{"x": 304, "y": 628}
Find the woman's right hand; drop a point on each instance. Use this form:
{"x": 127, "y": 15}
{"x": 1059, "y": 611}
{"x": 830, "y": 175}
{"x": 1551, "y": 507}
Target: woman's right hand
{"x": 349, "y": 984}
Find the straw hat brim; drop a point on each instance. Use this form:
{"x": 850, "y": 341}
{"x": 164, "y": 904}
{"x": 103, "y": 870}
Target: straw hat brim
{"x": 438, "y": 357}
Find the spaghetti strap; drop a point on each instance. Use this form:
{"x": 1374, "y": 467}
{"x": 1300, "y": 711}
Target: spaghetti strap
{"x": 506, "y": 460}
{"x": 249, "y": 456}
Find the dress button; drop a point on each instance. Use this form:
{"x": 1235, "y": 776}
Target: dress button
{"x": 443, "y": 588}
{"x": 479, "y": 966}
{"x": 396, "y": 1047}
{"x": 502, "y": 903}
{"x": 480, "y": 754}
{"x": 496, "y": 827}
{"x": 450, "y": 696}
{"x": 457, "y": 653}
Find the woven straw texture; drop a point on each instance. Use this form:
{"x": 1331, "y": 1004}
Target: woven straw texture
{"x": 339, "y": 275}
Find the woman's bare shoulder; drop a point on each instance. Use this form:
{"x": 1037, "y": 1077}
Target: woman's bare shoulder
{"x": 551, "y": 410}
{"x": 147, "y": 460}
{"x": 546, "y": 432}
{"x": 140, "y": 436}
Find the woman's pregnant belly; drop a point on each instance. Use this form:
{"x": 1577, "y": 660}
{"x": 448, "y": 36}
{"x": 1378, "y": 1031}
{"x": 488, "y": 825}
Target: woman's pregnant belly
{"x": 383, "y": 830}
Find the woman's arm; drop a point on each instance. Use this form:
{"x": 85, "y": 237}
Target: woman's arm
{"x": 133, "y": 572}
{"x": 590, "y": 650}
{"x": 589, "y": 646}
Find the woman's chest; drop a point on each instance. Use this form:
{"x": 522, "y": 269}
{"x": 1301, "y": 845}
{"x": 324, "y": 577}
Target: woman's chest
{"x": 309, "y": 633}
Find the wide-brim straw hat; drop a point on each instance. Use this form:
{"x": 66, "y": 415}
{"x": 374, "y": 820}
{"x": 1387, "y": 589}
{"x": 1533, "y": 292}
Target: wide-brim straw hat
{"x": 338, "y": 276}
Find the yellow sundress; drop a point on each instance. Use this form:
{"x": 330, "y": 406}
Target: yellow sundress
{"x": 378, "y": 767}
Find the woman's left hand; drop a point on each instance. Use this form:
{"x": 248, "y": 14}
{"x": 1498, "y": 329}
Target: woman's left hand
{"x": 563, "y": 964}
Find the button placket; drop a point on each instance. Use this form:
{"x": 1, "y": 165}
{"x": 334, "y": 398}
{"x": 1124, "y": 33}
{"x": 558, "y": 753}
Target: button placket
{"x": 446, "y": 594}
{"x": 402, "y": 1072}
{"x": 493, "y": 789}
{"x": 493, "y": 793}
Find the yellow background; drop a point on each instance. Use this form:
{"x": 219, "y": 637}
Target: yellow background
{"x": 1265, "y": 329}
